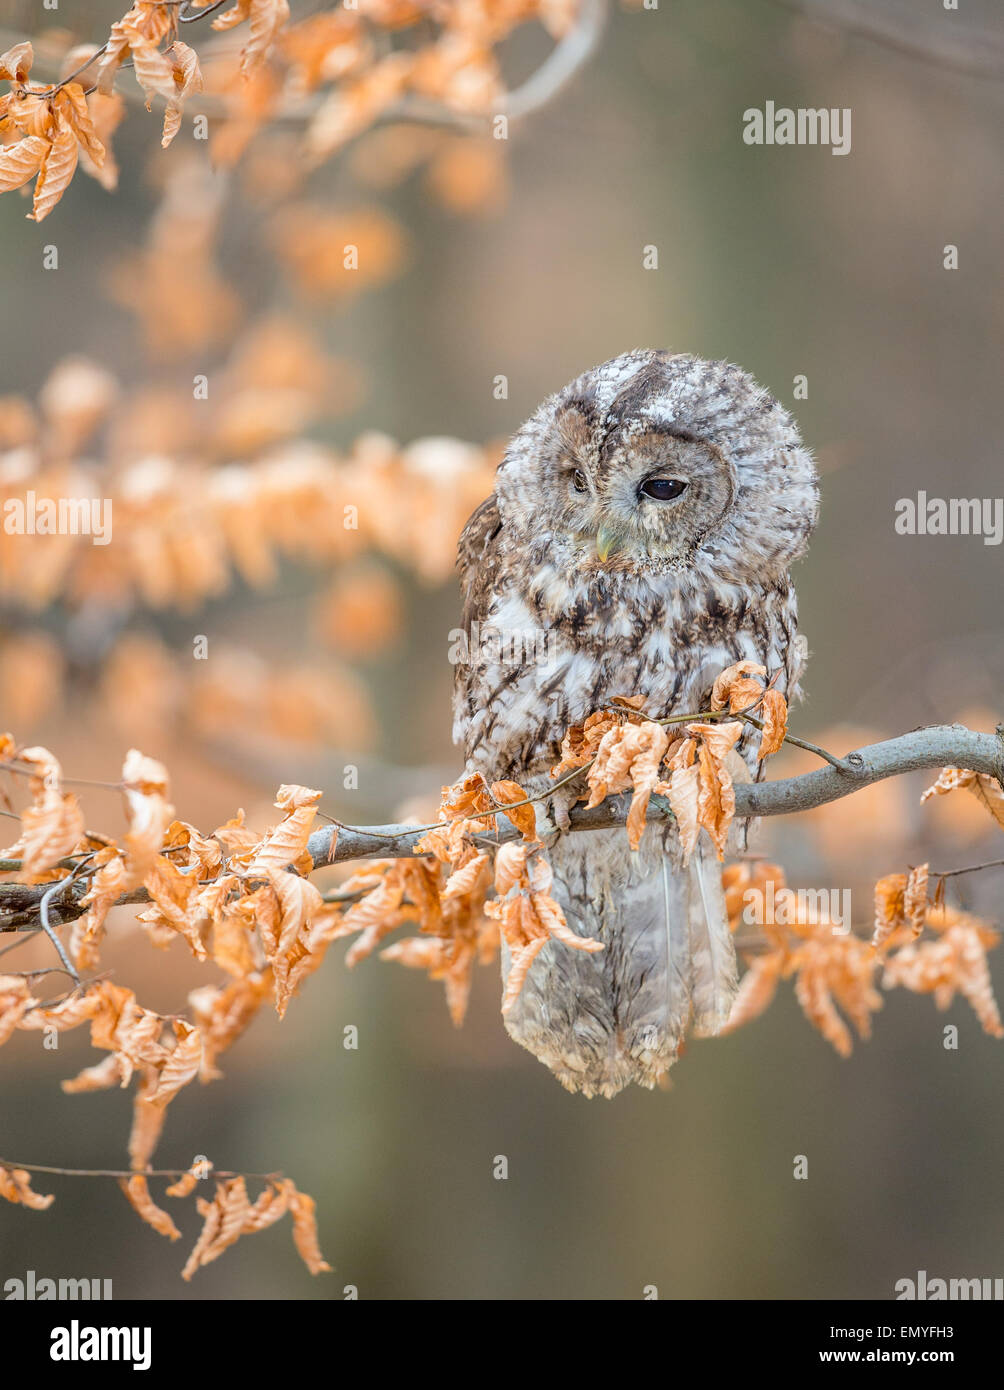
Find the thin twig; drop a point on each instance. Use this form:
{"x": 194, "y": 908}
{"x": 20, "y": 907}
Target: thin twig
{"x": 31, "y": 974}
{"x": 186, "y": 18}
{"x": 970, "y": 869}
{"x": 43, "y": 912}
{"x": 851, "y": 764}
{"x": 10, "y": 765}
{"x": 22, "y": 938}
{"x": 132, "y": 1173}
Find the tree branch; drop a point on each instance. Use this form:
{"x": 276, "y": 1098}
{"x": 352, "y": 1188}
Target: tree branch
{"x": 571, "y": 53}
{"x": 941, "y": 745}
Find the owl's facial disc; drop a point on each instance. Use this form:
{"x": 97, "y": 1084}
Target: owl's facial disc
{"x": 657, "y": 498}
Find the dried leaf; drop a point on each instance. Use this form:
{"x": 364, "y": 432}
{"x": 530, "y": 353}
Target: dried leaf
{"x": 58, "y": 166}
{"x": 288, "y": 840}
{"x": 735, "y": 690}
{"x": 986, "y": 789}
{"x": 522, "y": 816}
{"x": 138, "y": 1194}
{"x": 182, "y": 1064}
{"x": 510, "y": 866}
{"x": 15, "y": 1186}
{"x": 15, "y": 64}
{"x": 756, "y": 990}
{"x": 21, "y": 161}
{"x": 186, "y": 1185}
{"x": 774, "y": 712}
{"x": 629, "y": 755}
{"x": 186, "y": 78}
{"x": 305, "y": 1239}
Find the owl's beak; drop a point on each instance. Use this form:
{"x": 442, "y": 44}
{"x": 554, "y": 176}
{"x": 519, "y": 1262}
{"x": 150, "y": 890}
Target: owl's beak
{"x": 607, "y": 540}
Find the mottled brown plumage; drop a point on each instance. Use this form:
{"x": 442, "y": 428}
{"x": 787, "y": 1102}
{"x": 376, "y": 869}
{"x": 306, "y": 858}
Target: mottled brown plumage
{"x": 637, "y": 542}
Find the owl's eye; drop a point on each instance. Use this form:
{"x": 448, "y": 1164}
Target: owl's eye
{"x": 579, "y": 481}
{"x": 663, "y": 489}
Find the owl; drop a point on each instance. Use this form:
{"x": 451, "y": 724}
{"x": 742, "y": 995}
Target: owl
{"x": 638, "y": 541}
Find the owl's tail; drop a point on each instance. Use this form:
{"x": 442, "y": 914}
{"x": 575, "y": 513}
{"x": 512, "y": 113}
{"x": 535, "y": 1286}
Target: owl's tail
{"x": 603, "y": 1020}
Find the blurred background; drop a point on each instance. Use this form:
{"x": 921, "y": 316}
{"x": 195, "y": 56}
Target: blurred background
{"x": 521, "y": 259}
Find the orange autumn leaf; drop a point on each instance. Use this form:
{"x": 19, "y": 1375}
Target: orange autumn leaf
{"x": 464, "y": 880}
{"x": 284, "y": 844}
{"x": 186, "y": 79}
{"x": 831, "y": 970}
{"x": 955, "y": 962}
{"x": 223, "y": 1223}
{"x": 15, "y": 1001}
{"x": 182, "y": 1064}
{"x": 890, "y": 911}
{"x": 230, "y": 1215}
{"x": 986, "y": 789}
{"x": 750, "y": 881}
{"x": 15, "y": 1186}
{"x": 154, "y": 72}
{"x": 509, "y": 795}
{"x": 510, "y": 866}
{"x": 68, "y": 1013}
{"x": 303, "y": 1208}
{"x": 774, "y": 711}
{"x": 716, "y": 802}
{"x": 530, "y": 918}
{"x": 269, "y": 1207}
{"x": 915, "y": 900}
{"x": 757, "y": 989}
{"x": 265, "y": 20}
{"x": 52, "y": 829}
{"x": 143, "y": 27}
{"x": 900, "y": 901}
{"x": 223, "y": 1014}
{"x": 101, "y": 1077}
{"x": 59, "y": 163}
{"x": 21, "y": 161}
{"x": 187, "y": 1183}
{"x": 16, "y": 63}
{"x": 629, "y": 755}
{"x": 582, "y": 741}
{"x": 145, "y": 787}
{"x": 735, "y": 689}
{"x": 138, "y": 1195}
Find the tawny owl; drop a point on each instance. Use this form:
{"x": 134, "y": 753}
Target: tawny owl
{"x": 642, "y": 525}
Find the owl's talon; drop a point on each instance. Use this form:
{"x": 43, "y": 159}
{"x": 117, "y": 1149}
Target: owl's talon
{"x": 552, "y": 816}
{"x": 546, "y": 824}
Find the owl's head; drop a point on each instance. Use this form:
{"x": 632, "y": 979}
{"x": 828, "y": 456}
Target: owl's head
{"x": 659, "y": 462}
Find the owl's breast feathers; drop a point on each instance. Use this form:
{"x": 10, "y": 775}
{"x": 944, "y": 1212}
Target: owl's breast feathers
{"x": 544, "y": 648}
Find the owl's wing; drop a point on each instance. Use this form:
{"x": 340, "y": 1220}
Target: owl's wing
{"x": 478, "y": 562}
{"x": 477, "y": 559}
